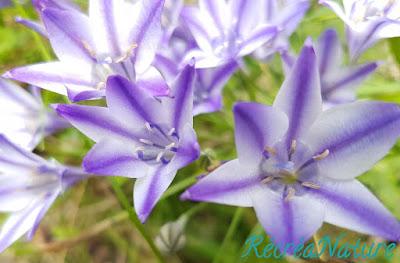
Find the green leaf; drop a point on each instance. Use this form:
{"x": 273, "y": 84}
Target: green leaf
{"x": 395, "y": 48}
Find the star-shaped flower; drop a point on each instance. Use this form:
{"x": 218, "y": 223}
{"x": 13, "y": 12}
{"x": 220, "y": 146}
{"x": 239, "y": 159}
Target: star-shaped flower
{"x": 225, "y": 31}
{"x": 28, "y": 187}
{"x": 367, "y": 21}
{"x": 117, "y": 37}
{"x": 139, "y": 136}
{"x": 297, "y": 165}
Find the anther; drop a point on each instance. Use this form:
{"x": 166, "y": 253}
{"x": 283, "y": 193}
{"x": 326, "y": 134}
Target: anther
{"x": 290, "y": 194}
{"x": 269, "y": 150}
{"x": 159, "y": 156}
{"x": 311, "y": 185}
{"x": 267, "y": 179}
{"x": 148, "y": 126}
{"x": 145, "y": 141}
{"x": 293, "y": 147}
{"x": 170, "y": 146}
{"x": 171, "y": 132}
{"x": 127, "y": 54}
{"x": 321, "y": 156}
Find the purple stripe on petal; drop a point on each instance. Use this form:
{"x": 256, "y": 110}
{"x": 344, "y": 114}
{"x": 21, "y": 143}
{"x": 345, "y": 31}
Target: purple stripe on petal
{"x": 327, "y": 50}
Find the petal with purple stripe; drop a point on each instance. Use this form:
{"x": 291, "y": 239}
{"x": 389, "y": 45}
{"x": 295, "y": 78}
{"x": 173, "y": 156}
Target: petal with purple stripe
{"x": 260, "y": 36}
{"x": 111, "y": 157}
{"x": 254, "y": 130}
{"x": 329, "y": 51}
{"x": 152, "y": 81}
{"x": 357, "y": 135}
{"x": 217, "y": 11}
{"x": 230, "y": 184}
{"x": 289, "y": 223}
{"x": 300, "y": 94}
{"x": 351, "y": 205}
{"x": 96, "y": 122}
{"x": 132, "y": 103}
{"x": 148, "y": 190}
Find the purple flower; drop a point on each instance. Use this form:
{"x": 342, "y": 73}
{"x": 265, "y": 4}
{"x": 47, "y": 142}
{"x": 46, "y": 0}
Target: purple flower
{"x": 225, "y": 31}
{"x": 139, "y": 136}
{"x": 29, "y": 185}
{"x": 25, "y": 120}
{"x": 5, "y": 3}
{"x": 118, "y": 37}
{"x": 286, "y": 15}
{"x": 367, "y": 21}
{"x": 338, "y": 82}
{"x": 208, "y": 82}
{"x": 297, "y": 165}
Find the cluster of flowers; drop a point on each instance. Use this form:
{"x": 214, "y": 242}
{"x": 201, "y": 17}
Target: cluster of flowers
{"x": 157, "y": 65}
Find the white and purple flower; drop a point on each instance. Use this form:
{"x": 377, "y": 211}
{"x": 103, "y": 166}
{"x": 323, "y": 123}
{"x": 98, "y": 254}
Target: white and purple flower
{"x": 367, "y": 21}
{"x": 25, "y": 120}
{"x": 117, "y": 37}
{"x": 225, "y": 31}
{"x": 338, "y": 82}
{"x": 297, "y": 164}
{"x": 139, "y": 136}
{"x": 28, "y": 187}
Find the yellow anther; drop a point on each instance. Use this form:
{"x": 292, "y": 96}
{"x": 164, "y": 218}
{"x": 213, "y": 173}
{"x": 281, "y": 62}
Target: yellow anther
{"x": 321, "y": 156}
{"x": 311, "y": 185}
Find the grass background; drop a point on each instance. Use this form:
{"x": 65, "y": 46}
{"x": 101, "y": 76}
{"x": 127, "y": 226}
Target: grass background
{"x": 87, "y": 223}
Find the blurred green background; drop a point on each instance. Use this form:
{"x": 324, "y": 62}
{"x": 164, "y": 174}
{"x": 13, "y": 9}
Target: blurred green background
{"x": 87, "y": 223}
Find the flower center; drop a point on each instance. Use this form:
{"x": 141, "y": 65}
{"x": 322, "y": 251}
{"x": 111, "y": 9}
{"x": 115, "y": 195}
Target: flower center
{"x": 363, "y": 10}
{"x": 159, "y": 144}
{"x": 284, "y": 171}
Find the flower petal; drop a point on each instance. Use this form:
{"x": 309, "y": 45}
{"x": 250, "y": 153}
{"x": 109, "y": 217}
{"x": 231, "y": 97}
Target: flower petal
{"x": 253, "y": 130}
{"x": 131, "y": 103}
{"x": 152, "y": 81}
{"x": 69, "y": 34}
{"x": 146, "y": 33}
{"x": 96, "y": 122}
{"x": 230, "y": 184}
{"x": 288, "y": 222}
{"x": 216, "y": 10}
{"x": 33, "y": 25}
{"x": 351, "y": 205}
{"x": 300, "y": 94}
{"x": 257, "y": 38}
{"x": 357, "y": 135}
{"x": 329, "y": 51}
{"x": 111, "y": 157}
{"x": 148, "y": 190}
{"x": 54, "y": 76}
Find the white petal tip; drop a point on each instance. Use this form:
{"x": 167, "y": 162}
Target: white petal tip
{"x": 7, "y": 75}
{"x": 185, "y": 196}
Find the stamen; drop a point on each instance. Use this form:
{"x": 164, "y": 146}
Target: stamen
{"x": 290, "y": 194}
{"x": 88, "y": 48}
{"x": 170, "y": 146}
{"x": 269, "y": 151}
{"x": 321, "y": 156}
{"x": 145, "y": 141}
{"x": 159, "y": 156}
{"x": 171, "y": 132}
{"x": 311, "y": 185}
{"x": 148, "y": 126}
{"x": 101, "y": 85}
{"x": 293, "y": 147}
{"x": 267, "y": 179}
{"x": 127, "y": 54}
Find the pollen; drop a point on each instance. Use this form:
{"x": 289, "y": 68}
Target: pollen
{"x": 321, "y": 156}
{"x": 311, "y": 185}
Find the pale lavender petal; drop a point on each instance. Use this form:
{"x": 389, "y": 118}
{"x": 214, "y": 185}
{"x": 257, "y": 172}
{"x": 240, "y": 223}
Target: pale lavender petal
{"x": 96, "y": 122}
{"x": 300, "y": 94}
{"x": 35, "y": 26}
{"x": 349, "y": 79}
{"x": 147, "y": 32}
{"x": 230, "y": 184}
{"x": 148, "y": 190}
{"x": 289, "y": 223}
{"x": 212, "y": 104}
{"x": 152, "y": 81}
{"x": 253, "y": 130}
{"x": 133, "y": 104}
{"x": 329, "y": 52}
{"x": 19, "y": 223}
{"x": 257, "y": 38}
{"x": 111, "y": 157}
{"x": 103, "y": 15}
{"x": 69, "y": 34}
{"x": 290, "y": 15}
{"x": 357, "y": 135}
{"x": 216, "y": 10}
{"x": 54, "y": 76}
{"x": 181, "y": 106}
{"x": 244, "y": 11}
{"x": 13, "y": 153}
{"x": 351, "y": 205}
{"x": 167, "y": 66}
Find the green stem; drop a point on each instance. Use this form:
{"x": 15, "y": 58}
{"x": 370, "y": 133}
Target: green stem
{"x": 38, "y": 40}
{"x": 180, "y": 186}
{"x": 134, "y": 219}
{"x": 229, "y": 235}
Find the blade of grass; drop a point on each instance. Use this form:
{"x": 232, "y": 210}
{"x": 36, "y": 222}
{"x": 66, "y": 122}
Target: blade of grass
{"x": 123, "y": 200}
{"x": 229, "y": 235}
